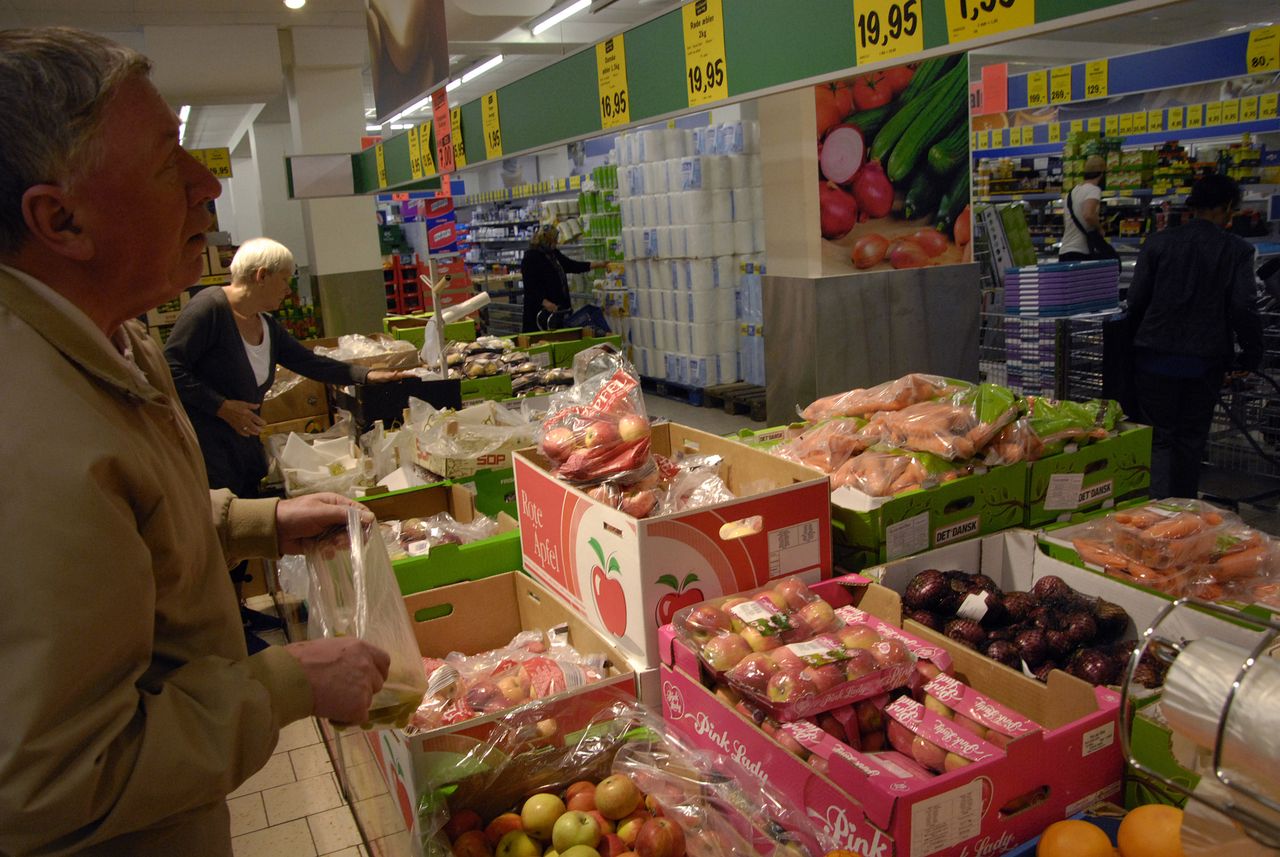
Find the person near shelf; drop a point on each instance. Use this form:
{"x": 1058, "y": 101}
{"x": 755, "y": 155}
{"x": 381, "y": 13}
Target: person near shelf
{"x": 1193, "y": 299}
{"x": 223, "y": 351}
{"x": 131, "y": 706}
{"x": 1082, "y": 239}
{"x": 544, "y": 270}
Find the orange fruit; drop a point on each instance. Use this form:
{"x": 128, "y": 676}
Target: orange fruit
{"x": 1154, "y": 830}
{"x": 1074, "y": 839}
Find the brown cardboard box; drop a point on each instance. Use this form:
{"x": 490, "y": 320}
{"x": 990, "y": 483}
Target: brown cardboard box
{"x": 398, "y": 359}
{"x": 306, "y": 425}
{"x": 305, "y": 399}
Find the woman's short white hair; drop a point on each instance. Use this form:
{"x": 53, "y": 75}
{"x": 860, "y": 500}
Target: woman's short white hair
{"x": 260, "y": 253}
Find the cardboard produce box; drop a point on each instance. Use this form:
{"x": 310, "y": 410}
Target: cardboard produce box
{"x": 916, "y": 521}
{"x": 985, "y": 808}
{"x": 447, "y": 564}
{"x": 303, "y": 425}
{"x": 616, "y": 570}
{"x": 396, "y": 356}
{"x": 306, "y": 398}
{"x": 489, "y": 388}
{"x": 1089, "y": 477}
{"x": 473, "y": 617}
{"x": 562, "y": 353}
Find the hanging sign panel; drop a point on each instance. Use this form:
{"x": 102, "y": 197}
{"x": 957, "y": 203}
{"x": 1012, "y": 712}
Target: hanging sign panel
{"x": 611, "y": 79}
{"x": 491, "y": 124}
{"x": 1095, "y": 79}
{"x": 1060, "y": 85}
{"x": 1037, "y": 88}
{"x": 706, "y": 75}
{"x": 442, "y": 122}
{"x": 973, "y": 19}
{"x": 885, "y": 29}
{"x": 382, "y": 165}
{"x": 415, "y": 154}
{"x": 1263, "y": 52}
{"x": 459, "y": 145}
{"x": 424, "y": 148}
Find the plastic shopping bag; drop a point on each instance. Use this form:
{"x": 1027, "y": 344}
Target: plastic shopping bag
{"x": 354, "y": 594}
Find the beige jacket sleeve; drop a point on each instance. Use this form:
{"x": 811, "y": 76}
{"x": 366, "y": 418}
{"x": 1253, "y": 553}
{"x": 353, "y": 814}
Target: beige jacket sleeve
{"x": 246, "y": 528}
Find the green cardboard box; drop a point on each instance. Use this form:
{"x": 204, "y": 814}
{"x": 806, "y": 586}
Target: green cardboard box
{"x": 929, "y": 518}
{"x": 767, "y": 437}
{"x": 447, "y": 564}
{"x": 562, "y": 353}
{"x": 1151, "y": 743}
{"x": 413, "y": 329}
{"x": 495, "y": 490}
{"x": 1090, "y": 477}
{"x": 490, "y": 387}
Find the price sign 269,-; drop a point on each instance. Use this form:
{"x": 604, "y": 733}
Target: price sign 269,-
{"x": 706, "y": 77}
{"x": 972, "y": 19}
{"x": 884, "y": 29}
{"x": 611, "y": 79}
{"x": 492, "y": 126}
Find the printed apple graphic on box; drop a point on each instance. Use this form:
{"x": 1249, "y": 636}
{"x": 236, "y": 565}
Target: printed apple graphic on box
{"x": 611, "y": 601}
{"x": 680, "y": 596}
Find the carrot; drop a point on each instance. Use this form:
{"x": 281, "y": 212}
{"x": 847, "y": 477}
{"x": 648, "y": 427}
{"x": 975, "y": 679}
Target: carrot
{"x": 1178, "y": 527}
{"x": 1100, "y": 554}
{"x": 1211, "y": 518}
{"x": 1234, "y": 566}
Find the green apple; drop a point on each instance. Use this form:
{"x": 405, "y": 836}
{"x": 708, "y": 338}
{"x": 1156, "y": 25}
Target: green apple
{"x": 539, "y": 815}
{"x": 517, "y": 843}
{"x": 574, "y": 828}
{"x": 580, "y": 851}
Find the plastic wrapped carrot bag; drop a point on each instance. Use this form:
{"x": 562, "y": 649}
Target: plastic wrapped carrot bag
{"x": 827, "y": 445}
{"x": 1050, "y": 425}
{"x": 889, "y": 396}
{"x": 884, "y": 471}
{"x": 956, "y": 427}
{"x": 354, "y": 593}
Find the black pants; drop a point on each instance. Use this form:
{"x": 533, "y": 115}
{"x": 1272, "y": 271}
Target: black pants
{"x": 1179, "y": 411}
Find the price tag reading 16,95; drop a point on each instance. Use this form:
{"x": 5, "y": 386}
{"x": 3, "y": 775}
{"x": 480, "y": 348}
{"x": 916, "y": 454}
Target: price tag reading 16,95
{"x": 611, "y": 79}
{"x": 972, "y": 19}
{"x": 706, "y": 78}
{"x": 884, "y": 29}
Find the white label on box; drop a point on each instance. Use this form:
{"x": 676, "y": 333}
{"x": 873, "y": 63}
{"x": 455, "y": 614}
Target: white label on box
{"x": 794, "y": 549}
{"x": 946, "y": 820}
{"x": 907, "y": 537}
{"x": 1092, "y": 494}
{"x": 957, "y": 531}
{"x": 1064, "y": 492}
{"x": 1097, "y": 739}
{"x": 973, "y": 607}
{"x": 751, "y": 612}
{"x": 819, "y": 651}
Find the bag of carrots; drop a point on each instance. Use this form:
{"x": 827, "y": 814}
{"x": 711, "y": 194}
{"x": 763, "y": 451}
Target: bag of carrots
{"x": 955, "y": 427}
{"x": 826, "y": 445}
{"x": 889, "y": 396}
{"x": 885, "y": 472}
{"x": 1049, "y": 426}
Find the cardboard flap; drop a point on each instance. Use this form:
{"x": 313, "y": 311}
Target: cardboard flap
{"x": 469, "y": 617}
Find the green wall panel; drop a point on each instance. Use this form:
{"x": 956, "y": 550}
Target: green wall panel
{"x": 655, "y": 68}
{"x": 769, "y": 43}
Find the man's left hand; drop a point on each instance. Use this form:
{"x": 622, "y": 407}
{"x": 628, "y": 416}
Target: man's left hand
{"x": 300, "y": 520}
{"x": 382, "y": 376}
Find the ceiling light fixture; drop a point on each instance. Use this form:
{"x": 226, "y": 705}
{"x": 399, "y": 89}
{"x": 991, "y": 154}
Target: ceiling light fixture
{"x": 487, "y": 65}
{"x": 373, "y": 128}
{"x": 295, "y": 4}
{"x": 183, "y": 113}
{"x": 557, "y": 17}
{"x": 421, "y": 105}
{"x": 453, "y": 84}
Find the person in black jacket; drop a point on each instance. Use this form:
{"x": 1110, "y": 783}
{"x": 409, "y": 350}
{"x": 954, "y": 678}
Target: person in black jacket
{"x": 223, "y": 352}
{"x": 544, "y": 270}
{"x": 1192, "y": 300}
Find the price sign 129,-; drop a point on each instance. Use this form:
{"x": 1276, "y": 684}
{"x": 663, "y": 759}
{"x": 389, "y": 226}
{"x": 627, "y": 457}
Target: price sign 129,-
{"x": 611, "y": 79}
{"x": 492, "y": 126}
{"x": 884, "y": 29}
{"x": 706, "y": 77}
{"x": 972, "y": 19}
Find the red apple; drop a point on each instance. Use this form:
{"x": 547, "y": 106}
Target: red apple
{"x": 857, "y": 637}
{"x": 581, "y": 802}
{"x": 899, "y": 736}
{"x": 753, "y": 672}
{"x": 829, "y": 724}
{"x": 727, "y": 606}
{"x": 953, "y": 762}
{"x": 600, "y": 433}
{"x": 471, "y": 843}
{"x": 633, "y": 427}
{"x": 515, "y": 687}
{"x": 605, "y": 824}
{"x": 722, "y": 653}
{"x": 931, "y": 703}
{"x": 796, "y": 593}
{"x": 994, "y": 737}
{"x": 819, "y": 616}
{"x": 462, "y": 821}
{"x": 660, "y": 837}
{"x": 973, "y": 726}
{"x": 707, "y": 620}
{"x": 629, "y": 827}
{"x": 485, "y": 696}
{"x": 517, "y": 843}
{"x": 859, "y": 664}
{"x": 618, "y": 797}
{"x": 791, "y": 745}
{"x": 824, "y": 677}
{"x": 639, "y": 504}
{"x": 727, "y": 695}
{"x": 789, "y": 684}
{"x": 760, "y": 642}
{"x": 501, "y": 826}
{"x": 870, "y": 717}
{"x": 787, "y": 659}
{"x": 612, "y": 845}
{"x": 653, "y": 806}
{"x": 872, "y": 742}
{"x": 928, "y": 670}
{"x": 771, "y": 598}
{"x": 558, "y": 443}
{"x": 890, "y": 653}
{"x": 928, "y": 753}
{"x": 579, "y": 787}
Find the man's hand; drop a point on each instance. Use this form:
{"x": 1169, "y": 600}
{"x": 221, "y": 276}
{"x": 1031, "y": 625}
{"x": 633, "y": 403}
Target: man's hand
{"x": 299, "y": 521}
{"x": 242, "y": 416}
{"x": 382, "y": 376}
{"x": 344, "y": 674}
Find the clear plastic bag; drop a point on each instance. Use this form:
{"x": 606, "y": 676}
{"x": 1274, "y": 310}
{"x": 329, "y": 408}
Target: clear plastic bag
{"x": 353, "y": 593}
{"x": 827, "y": 445}
{"x": 417, "y": 536}
{"x": 697, "y": 484}
{"x": 386, "y": 352}
{"x": 597, "y": 430}
{"x": 889, "y": 396}
{"x": 475, "y": 431}
{"x": 718, "y": 814}
{"x": 955, "y": 428}
{"x": 883, "y": 472}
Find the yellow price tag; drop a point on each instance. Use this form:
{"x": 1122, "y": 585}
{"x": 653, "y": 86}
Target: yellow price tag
{"x": 381, "y": 159}
{"x": 1175, "y": 118}
{"x": 459, "y": 145}
{"x": 1195, "y": 115}
{"x": 1249, "y": 109}
{"x": 1113, "y": 126}
{"x": 1037, "y": 89}
{"x": 1028, "y": 135}
{"x": 1213, "y": 114}
{"x": 415, "y": 154}
{"x": 611, "y": 82}
{"x": 424, "y": 149}
{"x": 1095, "y": 124}
{"x": 216, "y": 160}
{"x": 1077, "y": 126}
{"x": 1139, "y": 125}
{"x": 1095, "y": 79}
{"x": 492, "y": 124}
{"x": 1155, "y": 121}
{"x": 1126, "y": 124}
{"x": 1060, "y": 85}
{"x": 575, "y": 182}
{"x": 1267, "y": 105}
{"x": 706, "y": 78}
{"x": 1230, "y": 112}
{"x": 1055, "y": 132}
{"x": 972, "y": 19}
{"x": 1263, "y": 53}
{"x": 884, "y": 29}
{"x": 986, "y": 139}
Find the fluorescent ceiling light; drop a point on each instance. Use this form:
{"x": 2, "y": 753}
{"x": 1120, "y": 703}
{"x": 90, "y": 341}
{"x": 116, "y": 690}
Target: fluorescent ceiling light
{"x": 421, "y": 105}
{"x": 184, "y": 113}
{"x": 373, "y": 128}
{"x": 453, "y": 84}
{"x": 487, "y": 65}
{"x": 571, "y": 9}
{"x": 182, "y": 133}
{"x": 369, "y": 111}
{"x": 295, "y": 4}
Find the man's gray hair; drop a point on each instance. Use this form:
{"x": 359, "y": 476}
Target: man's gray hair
{"x": 260, "y": 253}
{"x": 55, "y": 84}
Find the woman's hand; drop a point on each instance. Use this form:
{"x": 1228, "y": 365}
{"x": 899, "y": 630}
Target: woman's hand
{"x": 382, "y": 376}
{"x": 549, "y": 306}
{"x": 242, "y": 416}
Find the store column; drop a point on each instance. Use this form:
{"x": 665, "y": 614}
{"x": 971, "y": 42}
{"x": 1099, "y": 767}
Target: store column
{"x": 323, "y": 68}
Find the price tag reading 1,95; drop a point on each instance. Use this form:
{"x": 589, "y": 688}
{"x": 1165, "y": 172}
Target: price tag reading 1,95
{"x": 706, "y": 77}
{"x": 971, "y": 19}
{"x": 884, "y": 29}
{"x": 491, "y": 124}
{"x": 611, "y": 80}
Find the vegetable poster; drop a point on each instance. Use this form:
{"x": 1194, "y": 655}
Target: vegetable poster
{"x": 893, "y": 159}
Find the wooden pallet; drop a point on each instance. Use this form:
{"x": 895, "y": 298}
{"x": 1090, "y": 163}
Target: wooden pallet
{"x": 670, "y": 390}
{"x": 738, "y": 398}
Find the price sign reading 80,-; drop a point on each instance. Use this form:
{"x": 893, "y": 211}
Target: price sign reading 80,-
{"x": 704, "y": 57}
{"x": 971, "y": 19}
{"x": 884, "y": 29}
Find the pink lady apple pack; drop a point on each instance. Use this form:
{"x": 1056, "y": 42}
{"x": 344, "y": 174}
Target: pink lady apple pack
{"x": 932, "y": 740}
{"x": 976, "y": 712}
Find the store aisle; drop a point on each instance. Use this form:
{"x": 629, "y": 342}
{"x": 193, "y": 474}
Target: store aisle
{"x": 711, "y": 420}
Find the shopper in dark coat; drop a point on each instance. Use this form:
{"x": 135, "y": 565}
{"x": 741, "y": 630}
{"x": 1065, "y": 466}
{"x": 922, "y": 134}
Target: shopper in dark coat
{"x": 1193, "y": 299}
{"x": 544, "y": 270}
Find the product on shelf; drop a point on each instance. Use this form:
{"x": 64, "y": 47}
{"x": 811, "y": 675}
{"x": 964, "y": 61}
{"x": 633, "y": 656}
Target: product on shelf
{"x": 934, "y": 741}
{"x": 955, "y": 427}
{"x": 827, "y": 445}
{"x": 417, "y": 536}
{"x": 883, "y": 471}
{"x": 1049, "y": 425}
{"x": 889, "y": 396}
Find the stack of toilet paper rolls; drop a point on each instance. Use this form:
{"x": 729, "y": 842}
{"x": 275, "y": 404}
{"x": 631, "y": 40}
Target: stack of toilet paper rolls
{"x": 692, "y": 218}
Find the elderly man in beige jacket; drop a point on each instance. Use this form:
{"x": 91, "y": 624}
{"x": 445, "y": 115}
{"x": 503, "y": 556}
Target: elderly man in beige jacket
{"x": 130, "y": 706}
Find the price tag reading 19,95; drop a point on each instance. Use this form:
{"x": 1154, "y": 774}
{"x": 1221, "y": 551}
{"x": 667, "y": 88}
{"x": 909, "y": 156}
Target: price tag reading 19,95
{"x": 611, "y": 78}
{"x": 491, "y": 124}
{"x": 972, "y": 19}
{"x": 884, "y": 29}
{"x": 706, "y": 77}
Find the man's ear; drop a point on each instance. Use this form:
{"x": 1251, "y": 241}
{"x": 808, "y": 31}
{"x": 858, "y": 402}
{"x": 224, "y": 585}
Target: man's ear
{"x": 50, "y": 217}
